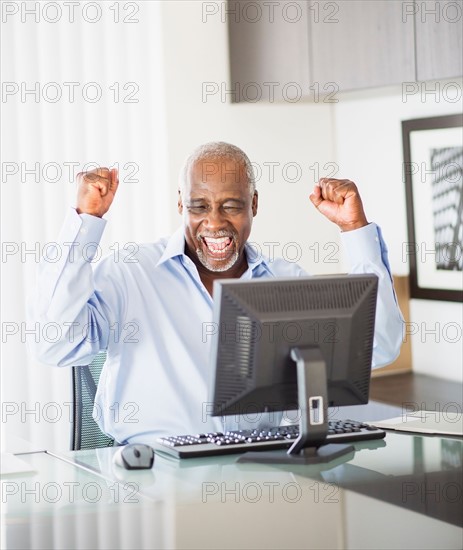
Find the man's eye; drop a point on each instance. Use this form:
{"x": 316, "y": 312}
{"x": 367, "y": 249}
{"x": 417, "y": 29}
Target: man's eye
{"x": 200, "y": 208}
{"x": 231, "y": 208}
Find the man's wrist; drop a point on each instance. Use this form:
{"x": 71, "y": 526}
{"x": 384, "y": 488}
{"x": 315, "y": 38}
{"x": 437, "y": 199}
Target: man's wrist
{"x": 79, "y": 211}
{"x": 351, "y": 227}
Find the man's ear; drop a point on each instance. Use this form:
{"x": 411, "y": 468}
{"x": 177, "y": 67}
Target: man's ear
{"x": 180, "y": 203}
{"x": 255, "y": 201}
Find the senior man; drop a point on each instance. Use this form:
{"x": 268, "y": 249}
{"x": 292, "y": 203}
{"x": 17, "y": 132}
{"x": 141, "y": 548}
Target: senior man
{"x": 149, "y": 313}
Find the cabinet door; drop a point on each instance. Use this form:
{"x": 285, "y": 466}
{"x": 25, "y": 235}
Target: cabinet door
{"x": 439, "y": 43}
{"x": 360, "y": 44}
{"x": 269, "y": 52}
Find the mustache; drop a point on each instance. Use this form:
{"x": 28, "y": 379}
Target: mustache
{"x": 217, "y": 234}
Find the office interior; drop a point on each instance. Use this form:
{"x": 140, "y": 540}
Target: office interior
{"x": 138, "y": 85}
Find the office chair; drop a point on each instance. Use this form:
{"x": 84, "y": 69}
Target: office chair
{"x": 85, "y": 432}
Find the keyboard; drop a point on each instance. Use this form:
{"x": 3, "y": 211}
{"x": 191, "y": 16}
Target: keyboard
{"x": 242, "y": 441}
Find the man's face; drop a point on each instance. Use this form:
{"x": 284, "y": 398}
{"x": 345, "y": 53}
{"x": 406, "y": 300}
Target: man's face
{"x": 217, "y": 210}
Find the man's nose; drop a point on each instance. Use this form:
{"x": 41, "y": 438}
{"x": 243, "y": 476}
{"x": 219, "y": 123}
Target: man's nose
{"x": 214, "y": 220}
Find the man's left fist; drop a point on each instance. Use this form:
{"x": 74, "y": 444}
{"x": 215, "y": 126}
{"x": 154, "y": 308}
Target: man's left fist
{"x": 340, "y": 202}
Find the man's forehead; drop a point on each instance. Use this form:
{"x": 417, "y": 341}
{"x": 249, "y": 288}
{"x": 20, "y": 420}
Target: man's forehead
{"x": 213, "y": 170}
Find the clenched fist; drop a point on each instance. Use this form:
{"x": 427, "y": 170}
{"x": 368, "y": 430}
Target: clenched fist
{"x": 340, "y": 202}
{"x": 96, "y": 191}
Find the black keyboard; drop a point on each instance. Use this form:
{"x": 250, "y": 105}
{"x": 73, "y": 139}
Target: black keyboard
{"x": 242, "y": 441}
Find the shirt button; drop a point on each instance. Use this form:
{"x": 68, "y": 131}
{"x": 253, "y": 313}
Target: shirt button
{"x": 84, "y": 231}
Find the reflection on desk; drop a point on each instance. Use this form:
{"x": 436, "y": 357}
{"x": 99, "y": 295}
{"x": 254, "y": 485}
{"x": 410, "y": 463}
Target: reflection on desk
{"x": 394, "y": 495}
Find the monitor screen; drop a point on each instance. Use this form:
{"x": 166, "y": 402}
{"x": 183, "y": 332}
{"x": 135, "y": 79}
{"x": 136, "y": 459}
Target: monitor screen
{"x": 302, "y": 343}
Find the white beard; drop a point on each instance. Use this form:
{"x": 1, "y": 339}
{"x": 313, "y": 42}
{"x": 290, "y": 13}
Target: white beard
{"x": 216, "y": 268}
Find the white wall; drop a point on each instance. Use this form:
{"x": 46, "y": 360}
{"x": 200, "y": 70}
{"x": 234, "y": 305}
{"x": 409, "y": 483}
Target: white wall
{"x": 368, "y": 139}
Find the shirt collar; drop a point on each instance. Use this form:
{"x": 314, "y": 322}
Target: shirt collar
{"x": 256, "y": 260}
{"x": 176, "y": 247}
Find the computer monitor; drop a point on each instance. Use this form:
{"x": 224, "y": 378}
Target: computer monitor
{"x": 303, "y": 344}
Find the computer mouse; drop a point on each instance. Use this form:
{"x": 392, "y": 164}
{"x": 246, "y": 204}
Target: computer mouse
{"x": 135, "y": 456}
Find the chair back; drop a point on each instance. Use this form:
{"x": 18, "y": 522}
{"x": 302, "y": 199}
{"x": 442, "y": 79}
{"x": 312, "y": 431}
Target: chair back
{"x": 85, "y": 432}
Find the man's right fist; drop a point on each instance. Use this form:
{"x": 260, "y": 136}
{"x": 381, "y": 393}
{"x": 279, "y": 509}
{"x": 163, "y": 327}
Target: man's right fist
{"x": 96, "y": 191}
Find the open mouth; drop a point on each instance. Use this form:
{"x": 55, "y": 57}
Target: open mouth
{"x": 218, "y": 247}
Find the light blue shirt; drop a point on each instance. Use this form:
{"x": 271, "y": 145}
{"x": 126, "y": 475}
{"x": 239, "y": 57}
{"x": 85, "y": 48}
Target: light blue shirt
{"x": 152, "y": 314}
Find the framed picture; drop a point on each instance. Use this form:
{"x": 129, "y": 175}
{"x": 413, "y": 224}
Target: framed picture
{"x": 433, "y": 171}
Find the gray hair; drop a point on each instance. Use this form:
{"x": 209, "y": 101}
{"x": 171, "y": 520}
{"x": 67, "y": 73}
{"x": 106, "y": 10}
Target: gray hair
{"x": 217, "y": 150}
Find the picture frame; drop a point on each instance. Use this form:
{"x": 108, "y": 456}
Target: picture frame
{"x": 433, "y": 175}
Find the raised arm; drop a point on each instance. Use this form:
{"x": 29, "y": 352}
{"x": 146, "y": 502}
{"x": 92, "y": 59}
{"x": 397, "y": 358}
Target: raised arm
{"x": 74, "y": 317}
{"x": 340, "y": 202}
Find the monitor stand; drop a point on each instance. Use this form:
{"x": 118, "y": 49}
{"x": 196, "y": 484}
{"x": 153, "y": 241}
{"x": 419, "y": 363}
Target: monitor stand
{"x": 312, "y": 392}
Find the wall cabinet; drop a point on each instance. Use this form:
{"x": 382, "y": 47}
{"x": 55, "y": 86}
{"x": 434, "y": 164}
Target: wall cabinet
{"x": 361, "y": 45}
{"x": 285, "y": 49}
{"x": 269, "y": 50}
{"x": 439, "y": 40}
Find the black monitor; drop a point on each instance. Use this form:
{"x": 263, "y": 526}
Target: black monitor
{"x": 303, "y": 344}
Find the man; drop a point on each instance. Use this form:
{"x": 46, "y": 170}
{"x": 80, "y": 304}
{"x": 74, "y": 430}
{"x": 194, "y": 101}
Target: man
{"x": 149, "y": 314}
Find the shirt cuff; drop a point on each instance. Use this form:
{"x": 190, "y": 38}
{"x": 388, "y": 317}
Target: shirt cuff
{"x": 366, "y": 245}
{"x": 80, "y": 235}
{"x": 82, "y": 227}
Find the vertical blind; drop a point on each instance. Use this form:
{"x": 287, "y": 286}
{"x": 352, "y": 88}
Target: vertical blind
{"x": 82, "y": 86}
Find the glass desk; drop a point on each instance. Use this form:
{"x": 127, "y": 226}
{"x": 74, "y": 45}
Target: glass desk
{"x": 403, "y": 492}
